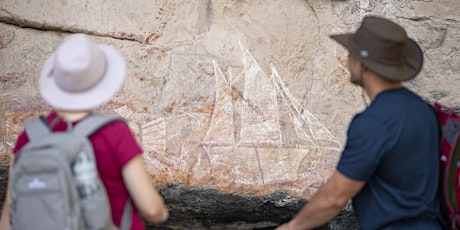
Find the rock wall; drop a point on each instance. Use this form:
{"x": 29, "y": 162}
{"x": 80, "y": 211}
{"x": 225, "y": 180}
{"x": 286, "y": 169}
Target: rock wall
{"x": 243, "y": 96}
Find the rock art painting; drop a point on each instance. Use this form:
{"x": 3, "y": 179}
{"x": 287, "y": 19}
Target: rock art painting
{"x": 248, "y": 135}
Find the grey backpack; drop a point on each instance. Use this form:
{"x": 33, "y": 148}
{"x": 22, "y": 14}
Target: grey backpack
{"x": 55, "y": 183}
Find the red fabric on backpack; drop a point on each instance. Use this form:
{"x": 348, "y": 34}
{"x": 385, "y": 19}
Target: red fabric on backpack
{"x": 449, "y": 184}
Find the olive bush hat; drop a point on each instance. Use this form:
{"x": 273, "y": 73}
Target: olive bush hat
{"x": 383, "y": 47}
{"x": 81, "y": 74}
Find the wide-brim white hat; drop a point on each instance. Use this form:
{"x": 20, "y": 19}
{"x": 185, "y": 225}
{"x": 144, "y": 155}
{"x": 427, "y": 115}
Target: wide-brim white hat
{"x": 81, "y": 74}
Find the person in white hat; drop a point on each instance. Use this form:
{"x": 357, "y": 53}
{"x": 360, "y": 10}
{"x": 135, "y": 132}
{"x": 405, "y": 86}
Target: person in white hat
{"x": 390, "y": 166}
{"x": 78, "y": 78}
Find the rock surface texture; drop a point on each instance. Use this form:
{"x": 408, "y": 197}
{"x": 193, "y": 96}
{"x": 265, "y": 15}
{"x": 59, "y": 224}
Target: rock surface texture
{"x": 248, "y": 98}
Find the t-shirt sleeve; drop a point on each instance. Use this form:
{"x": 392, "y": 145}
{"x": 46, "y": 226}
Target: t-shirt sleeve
{"x": 364, "y": 149}
{"x": 125, "y": 146}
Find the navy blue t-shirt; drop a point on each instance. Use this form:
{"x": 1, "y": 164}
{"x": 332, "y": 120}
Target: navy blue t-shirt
{"x": 393, "y": 146}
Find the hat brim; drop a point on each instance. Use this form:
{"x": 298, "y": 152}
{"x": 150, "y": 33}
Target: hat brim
{"x": 413, "y": 60}
{"x": 90, "y": 99}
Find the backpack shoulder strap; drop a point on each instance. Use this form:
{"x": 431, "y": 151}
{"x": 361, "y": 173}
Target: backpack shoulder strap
{"x": 88, "y": 126}
{"x": 36, "y": 127}
{"x": 92, "y": 123}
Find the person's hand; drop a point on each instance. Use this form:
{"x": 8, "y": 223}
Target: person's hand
{"x": 284, "y": 226}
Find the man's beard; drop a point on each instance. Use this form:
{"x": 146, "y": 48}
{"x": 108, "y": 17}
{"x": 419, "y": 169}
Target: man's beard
{"x": 356, "y": 80}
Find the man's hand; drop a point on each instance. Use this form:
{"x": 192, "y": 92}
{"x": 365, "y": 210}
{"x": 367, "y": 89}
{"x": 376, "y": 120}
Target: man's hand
{"x": 284, "y": 226}
{"x": 330, "y": 199}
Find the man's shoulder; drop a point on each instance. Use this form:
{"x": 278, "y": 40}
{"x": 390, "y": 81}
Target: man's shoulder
{"x": 396, "y": 103}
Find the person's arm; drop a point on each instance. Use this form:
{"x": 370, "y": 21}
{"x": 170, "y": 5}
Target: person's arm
{"x": 330, "y": 199}
{"x": 146, "y": 198}
{"x": 5, "y": 218}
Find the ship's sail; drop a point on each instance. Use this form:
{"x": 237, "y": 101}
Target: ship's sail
{"x": 269, "y": 114}
{"x": 221, "y": 129}
{"x": 260, "y": 125}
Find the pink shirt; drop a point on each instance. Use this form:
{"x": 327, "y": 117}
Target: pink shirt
{"x": 114, "y": 146}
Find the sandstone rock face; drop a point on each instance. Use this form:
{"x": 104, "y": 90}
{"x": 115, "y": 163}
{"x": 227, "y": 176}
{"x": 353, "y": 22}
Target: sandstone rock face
{"x": 248, "y": 97}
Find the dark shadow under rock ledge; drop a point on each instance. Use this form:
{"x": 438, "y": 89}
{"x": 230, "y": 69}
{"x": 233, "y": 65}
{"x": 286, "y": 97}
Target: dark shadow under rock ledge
{"x": 199, "y": 208}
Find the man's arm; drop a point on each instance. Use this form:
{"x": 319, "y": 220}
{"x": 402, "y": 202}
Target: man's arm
{"x": 330, "y": 199}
